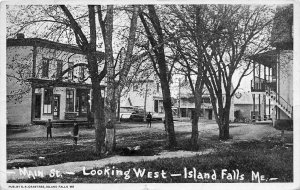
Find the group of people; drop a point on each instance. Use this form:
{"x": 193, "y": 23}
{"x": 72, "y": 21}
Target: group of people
{"x": 75, "y": 133}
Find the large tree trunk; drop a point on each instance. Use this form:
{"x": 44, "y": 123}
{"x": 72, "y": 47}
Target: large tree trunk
{"x": 89, "y": 49}
{"x": 98, "y": 105}
{"x": 162, "y": 70}
{"x": 196, "y": 115}
{"x": 195, "y": 132}
{"x": 199, "y": 83}
{"x": 99, "y": 121}
{"x": 224, "y": 118}
{"x": 224, "y": 131}
{"x": 111, "y": 102}
{"x": 167, "y": 103}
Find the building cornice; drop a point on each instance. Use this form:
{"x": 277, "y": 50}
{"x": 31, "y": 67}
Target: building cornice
{"x": 37, "y": 42}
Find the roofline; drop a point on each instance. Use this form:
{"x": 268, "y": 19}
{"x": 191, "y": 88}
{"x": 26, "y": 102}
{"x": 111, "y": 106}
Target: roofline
{"x": 38, "y": 42}
{"x": 258, "y": 58}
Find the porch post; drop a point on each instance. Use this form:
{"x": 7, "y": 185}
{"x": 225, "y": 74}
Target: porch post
{"x": 34, "y": 54}
{"x": 253, "y": 75}
{"x": 75, "y": 100}
{"x": 277, "y": 82}
{"x": 264, "y": 95}
{"x": 253, "y": 116}
{"x": 270, "y": 82}
{"x": 32, "y": 102}
{"x": 259, "y": 76}
{"x": 259, "y": 108}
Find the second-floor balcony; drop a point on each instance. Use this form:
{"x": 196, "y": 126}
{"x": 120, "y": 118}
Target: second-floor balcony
{"x": 262, "y": 86}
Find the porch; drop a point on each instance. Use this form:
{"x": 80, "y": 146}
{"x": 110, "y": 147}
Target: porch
{"x": 64, "y": 123}
{"x": 63, "y": 102}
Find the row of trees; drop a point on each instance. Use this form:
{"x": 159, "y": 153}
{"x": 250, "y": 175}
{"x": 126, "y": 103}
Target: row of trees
{"x": 206, "y": 43}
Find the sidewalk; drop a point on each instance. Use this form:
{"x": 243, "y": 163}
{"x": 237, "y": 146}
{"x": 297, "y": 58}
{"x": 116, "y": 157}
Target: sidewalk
{"x": 71, "y": 168}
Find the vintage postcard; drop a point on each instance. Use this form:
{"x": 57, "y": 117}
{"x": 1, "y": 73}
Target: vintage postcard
{"x": 149, "y": 95}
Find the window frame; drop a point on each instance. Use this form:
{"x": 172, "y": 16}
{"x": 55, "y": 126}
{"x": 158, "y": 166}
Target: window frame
{"x": 59, "y": 67}
{"x": 47, "y": 108}
{"x": 68, "y": 102}
{"x": 81, "y": 73}
{"x": 70, "y": 72}
{"x": 45, "y": 67}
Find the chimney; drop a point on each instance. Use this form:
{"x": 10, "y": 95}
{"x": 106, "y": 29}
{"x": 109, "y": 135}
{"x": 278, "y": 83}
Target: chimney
{"x": 20, "y": 36}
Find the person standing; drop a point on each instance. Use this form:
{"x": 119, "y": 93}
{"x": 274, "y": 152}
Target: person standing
{"x": 49, "y": 128}
{"x": 148, "y": 119}
{"x": 75, "y": 132}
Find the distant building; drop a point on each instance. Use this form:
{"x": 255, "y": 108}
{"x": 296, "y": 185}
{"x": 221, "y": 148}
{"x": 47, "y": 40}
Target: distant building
{"x": 273, "y": 77}
{"x": 33, "y": 65}
{"x": 186, "y": 105}
{"x": 143, "y": 95}
{"x": 146, "y": 95}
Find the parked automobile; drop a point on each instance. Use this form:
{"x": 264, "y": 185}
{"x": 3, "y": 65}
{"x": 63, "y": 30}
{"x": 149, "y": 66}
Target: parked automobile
{"x": 137, "y": 114}
{"x": 157, "y": 116}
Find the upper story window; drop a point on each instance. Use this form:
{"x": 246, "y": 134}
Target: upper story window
{"x": 157, "y": 87}
{"x": 45, "y": 67}
{"x": 70, "y": 72}
{"x": 59, "y": 65}
{"x": 81, "y": 73}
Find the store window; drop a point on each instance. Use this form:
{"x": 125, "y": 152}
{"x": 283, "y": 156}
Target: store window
{"x": 70, "y": 100}
{"x": 48, "y": 94}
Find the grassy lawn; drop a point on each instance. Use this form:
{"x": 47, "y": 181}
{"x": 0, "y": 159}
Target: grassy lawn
{"x": 267, "y": 157}
{"x": 61, "y": 150}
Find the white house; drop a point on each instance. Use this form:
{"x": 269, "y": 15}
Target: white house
{"x": 273, "y": 78}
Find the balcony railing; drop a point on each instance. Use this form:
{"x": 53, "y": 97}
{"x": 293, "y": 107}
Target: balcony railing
{"x": 262, "y": 86}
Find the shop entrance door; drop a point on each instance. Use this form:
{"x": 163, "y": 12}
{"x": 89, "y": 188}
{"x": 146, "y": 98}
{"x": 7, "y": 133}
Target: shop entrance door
{"x": 56, "y": 107}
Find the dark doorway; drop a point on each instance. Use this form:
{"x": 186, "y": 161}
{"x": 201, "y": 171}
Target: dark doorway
{"x": 37, "y": 106}
{"x": 56, "y": 106}
{"x": 183, "y": 112}
{"x": 210, "y": 114}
